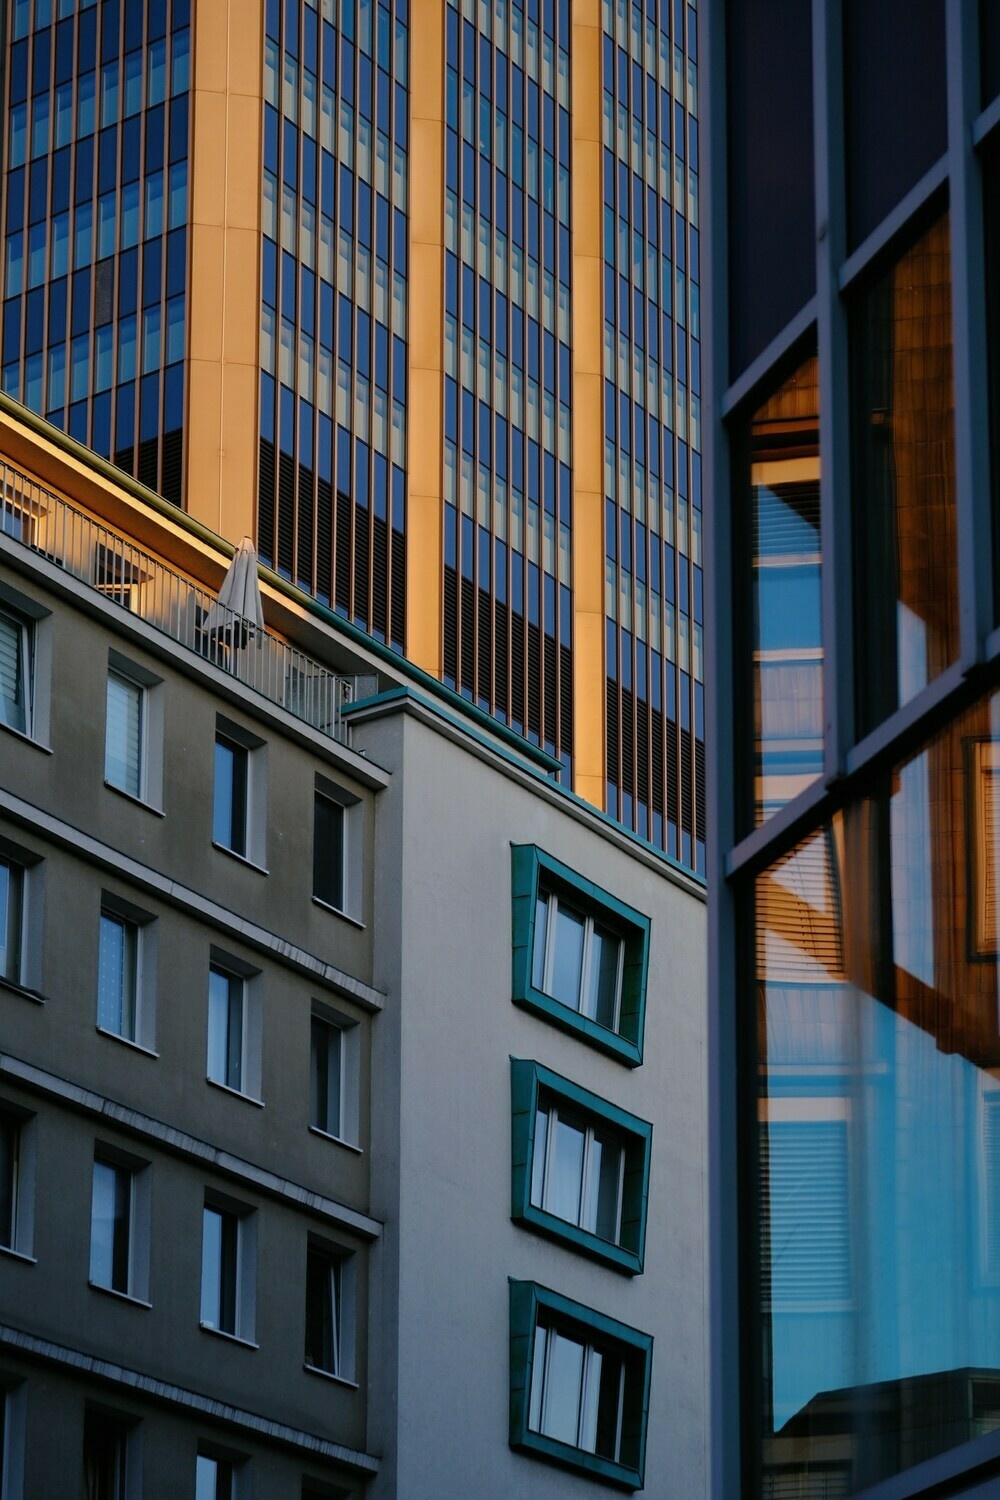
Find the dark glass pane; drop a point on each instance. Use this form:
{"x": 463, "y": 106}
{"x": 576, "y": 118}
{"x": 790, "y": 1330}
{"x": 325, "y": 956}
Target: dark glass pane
{"x": 895, "y": 103}
{"x": 771, "y": 212}
{"x": 991, "y": 204}
{"x": 321, "y": 1312}
{"x": 989, "y": 49}
{"x": 328, "y": 853}
{"x": 785, "y": 547}
{"x": 877, "y": 1126}
{"x": 904, "y": 478}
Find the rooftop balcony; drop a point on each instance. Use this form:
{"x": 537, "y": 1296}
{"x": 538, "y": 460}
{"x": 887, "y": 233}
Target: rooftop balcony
{"x": 172, "y": 603}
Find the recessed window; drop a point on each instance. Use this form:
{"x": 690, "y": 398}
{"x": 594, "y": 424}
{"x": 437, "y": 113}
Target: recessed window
{"x": 580, "y": 1166}
{"x": 329, "y": 851}
{"x": 118, "y": 975}
{"x": 106, "y": 1465}
{"x": 580, "y": 955}
{"x": 333, "y": 1073}
{"x": 228, "y": 1269}
{"x": 337, "y": 848}
{"x": 239, "y": 810}
{"x": 219, "y": 1477}
{"x": 11, "y": 920}
{"x": 579, "y": 1386}
{"x": 233, "y": 1027}
{"x": 123, "y": 744}
{"x": 119, "y": 1224}
{"x": 17, "y": 1181}
{"x": 133, "y": 737}
{"x": 229, "y": 815}
{"x": 329, "y": 1311}
{"x": 16, "y": 642}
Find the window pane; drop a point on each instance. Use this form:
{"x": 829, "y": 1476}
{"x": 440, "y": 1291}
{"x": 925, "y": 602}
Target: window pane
{"x": 602, "y": 997}
{"x": 104, "y": 1456}
{"x": 122, "y": 757}
{"x": 538, "y": 956}
{"x": 565, "y": 1177}
{"x": 11, "y": 884}
{"x": 327, "y": 1063}
{"x": 877, "y": 940}
{"x": 786, "y": 637}
{"x": 563, "y": 1381}
{"x": 225, "y": 1028}
{"x": 116, "y": 976}
{"x": 10, "y": 1150}
{"x": 539, "y": 1149}
{"x": 603, "y": 1188}
{"x": 229, "y": 818}
{"x": 567, "y": 958}
{"x": 13, "y": 707}
{"x": 905, "y": 477}
{"x": 220, "y": 1241}
{"x": 328, "y": 853}
{"x": 322, "y": 1312}
{"x": 109, "y": 1226}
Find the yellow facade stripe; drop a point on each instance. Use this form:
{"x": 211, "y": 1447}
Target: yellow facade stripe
{"x": 589, "y": 710}
{"x": 224, "y": 256}
{"x": 425, "y": 375}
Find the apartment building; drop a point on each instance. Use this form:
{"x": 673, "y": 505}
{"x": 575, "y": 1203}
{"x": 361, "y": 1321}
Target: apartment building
{"x": 352, "y": 1097}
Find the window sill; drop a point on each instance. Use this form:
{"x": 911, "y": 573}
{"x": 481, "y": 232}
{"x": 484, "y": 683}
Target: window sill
{"x": 11, "y": 987}
{"x": 235, "y": 1093}
{"x": 351, "y": 1385}
{"x": 110, "y": 1291}
{"x": 13, "y": 1254}
{"x": 20, "y": 734}
{"x": 126, "y": 1041}
{"x": 241, "y": 859}
{"x": 338, "y": 912}
{"x": 230, "y": 1338}
{"x": 622, "y": 1048}
{"x": 338, "y": 1140}
{"x": 582, "y": 1241}
{"x": 136, "y": 801}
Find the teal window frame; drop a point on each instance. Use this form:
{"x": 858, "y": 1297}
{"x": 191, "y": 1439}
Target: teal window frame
{"x": 533, "y": 870}
{"x": 528, "y": 1303}
{"x": 529, "y": 1081}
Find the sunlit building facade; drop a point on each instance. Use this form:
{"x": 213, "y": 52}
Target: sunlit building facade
{"x": 852, "y": 295}
{"x": 407, "y": 290}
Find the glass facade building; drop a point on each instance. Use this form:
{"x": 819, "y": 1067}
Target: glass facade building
{"x": 851, "y": 297}
{"x": 412, "y": 300}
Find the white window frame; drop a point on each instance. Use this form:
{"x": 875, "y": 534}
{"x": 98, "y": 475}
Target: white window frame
{"x": 29, "y": 868}
{"x": 551, "y": 901}
{"x": 587, "y": 1397}
{"x": 255, "y": 814}
{"x": 349, "y": 1032}
{"x": 24, "y": 675}
{"x": 137, "y": 693}
{"x": 137, "y": 1173}
{"x": 235, "y": 971}
{"x": 244, "y": 1222}
{"x": 149, "y": 689}
{"x": 544, "y": 1164}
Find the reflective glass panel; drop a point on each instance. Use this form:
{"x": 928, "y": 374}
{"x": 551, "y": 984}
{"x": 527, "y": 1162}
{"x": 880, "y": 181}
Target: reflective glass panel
{"x": 904, "y": 478}
{"x": 878, "y": 1123}
{"x": 567, "y": 958}
{"x": 786, "y": 552}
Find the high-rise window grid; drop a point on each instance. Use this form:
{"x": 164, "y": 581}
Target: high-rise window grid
{"x": 95, "y": 225}
{"x": 652, "y": 419}
{"x": 508, "y": 366}
{"x": 333, "y": 316}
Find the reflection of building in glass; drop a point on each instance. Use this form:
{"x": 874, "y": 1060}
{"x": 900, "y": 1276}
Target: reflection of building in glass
{"x": 857, "y": 862}
{"x": 410, "y": 295}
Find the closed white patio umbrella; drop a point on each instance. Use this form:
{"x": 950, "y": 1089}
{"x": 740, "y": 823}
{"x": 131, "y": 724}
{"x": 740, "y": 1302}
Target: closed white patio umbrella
{"x": 237, "y": 614}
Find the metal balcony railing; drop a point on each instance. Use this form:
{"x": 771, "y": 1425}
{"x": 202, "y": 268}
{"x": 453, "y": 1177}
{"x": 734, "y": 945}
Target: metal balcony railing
{"x": 147, "y": 588}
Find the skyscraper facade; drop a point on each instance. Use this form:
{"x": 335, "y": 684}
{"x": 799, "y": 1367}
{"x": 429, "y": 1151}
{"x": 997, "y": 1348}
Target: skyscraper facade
{"x": 409, "y": 291}
{"x": 853, "y": 288}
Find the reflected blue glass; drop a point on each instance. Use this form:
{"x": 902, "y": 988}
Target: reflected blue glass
{"x": 878, "y": 941}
